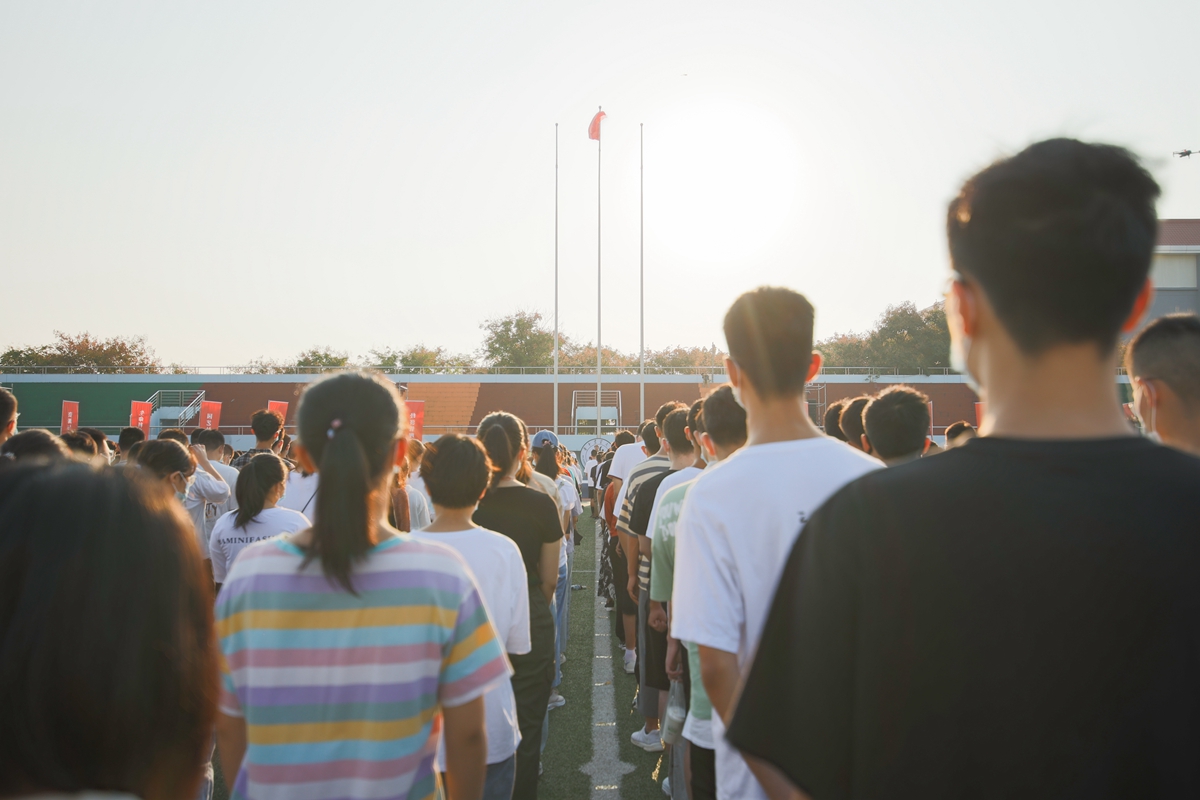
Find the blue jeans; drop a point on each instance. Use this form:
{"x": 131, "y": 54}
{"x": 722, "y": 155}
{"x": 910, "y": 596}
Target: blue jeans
{"x": 562, "y": 594}
{"x": 498, "y": 785}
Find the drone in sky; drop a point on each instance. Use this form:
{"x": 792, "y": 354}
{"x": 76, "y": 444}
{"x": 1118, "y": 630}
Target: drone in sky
{"x": 1186, "y": 153}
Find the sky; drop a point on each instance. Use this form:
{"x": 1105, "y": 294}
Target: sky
{"x": 245, "y": 180}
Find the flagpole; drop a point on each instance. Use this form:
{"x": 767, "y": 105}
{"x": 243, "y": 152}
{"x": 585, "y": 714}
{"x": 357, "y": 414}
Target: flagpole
{"x": 599, "y": 351}
{"x": 642, "y": 256}
{"x": 556, "y": 279}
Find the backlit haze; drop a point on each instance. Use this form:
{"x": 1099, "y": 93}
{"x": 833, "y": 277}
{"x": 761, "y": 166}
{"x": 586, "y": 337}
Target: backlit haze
{"x": 238, "y": 180}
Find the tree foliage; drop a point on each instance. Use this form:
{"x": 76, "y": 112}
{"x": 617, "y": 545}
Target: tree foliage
{"x": 517, "y": 340}
{"x": 903, "y": 337}
{"x": 86, "y": 353}
{"x": 418, "y": 356}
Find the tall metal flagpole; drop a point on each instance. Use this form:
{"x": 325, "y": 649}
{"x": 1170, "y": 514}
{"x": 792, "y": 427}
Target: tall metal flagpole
{"x": 556, "y": 279}
{"x": 599, "y": 351}
{"x": 642, "y": 255}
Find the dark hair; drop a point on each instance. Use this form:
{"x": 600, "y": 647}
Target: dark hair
{"x": 675, "y": 430}
{"x": 265, "y": 424}
{"x": 851, "y": 420}
{"x": 108, "y": 659}
{"x": 897, "y": 422}
{"x": 194, "y": 436}
{"x": 833, "y": 419}
{"x": 166, "y": 456}
{"x": 79, "y": 442}
{"x": 128, "y": 437}
{"x": 134, "y": 449}
{"x": 1060, "y": 238}
{"x": 264, "y": 472}
{"x": 8, "y": 407}
{"x": 35, "y": 443}
{"x": 621, "y": 439}
{"x": 650, "y": 438}
{"x": 957, "y": 429}
{"x": 770, "y": 337}
{"x": 456, "y": 470}
{"x": 502, "y": 435}
{"x": 98, "y": 437}
{"x": 724, "y": 418}
{"x": 211, "y": 439}
{"x": 1168, "y": 349}
{"x": 695, "y": 420}
{"x": 548, "y": 461}
{"x": 349, "y": 424}
{"x": 175, "y": 435}
{"x": 660, "y": 416}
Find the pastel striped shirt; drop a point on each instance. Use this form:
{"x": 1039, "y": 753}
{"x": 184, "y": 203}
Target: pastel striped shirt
{"x": 342, "y": 694}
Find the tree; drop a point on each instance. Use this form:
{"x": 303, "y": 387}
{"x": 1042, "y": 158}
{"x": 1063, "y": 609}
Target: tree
{"x": 903, "y": 337}
{"x": 419, "y": 356}
{"x": 323, "y": 358}
{"x": 685, "y": 357}
{"x": 517, "y": 340}
{"x": 86, "y": 353}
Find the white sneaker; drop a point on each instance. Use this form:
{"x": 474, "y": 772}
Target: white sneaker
{"x": 556, "y": 700}
{"x": 666, "y": 786}
{"x": 650, "y": 741}
{"x": 630, "y": 661}
{"x": 562, "y": 658}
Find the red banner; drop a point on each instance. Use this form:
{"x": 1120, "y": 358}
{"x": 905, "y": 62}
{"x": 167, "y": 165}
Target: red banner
{"x": 70, "y": 416}
{"x": 416, "y": 418}
{"x": 980, "y": 410}
{"x": 280, "y": 406}
{"x": 139, "y": 416}
{"x": 210, "y": 415}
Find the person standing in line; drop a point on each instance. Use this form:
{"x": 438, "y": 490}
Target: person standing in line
{"x": 300, "y": 493}
{"x": 8, "y": 414}
{"x": 126, "y": 439}
{"x": 625, "y": 456}
{"x": 530, "y": 518}
{"x": 1163, "y": 363}
{"x": 1044, "y": 648}
{"x": 833, "y": 419}
{"x": 896, "y": 422}
{"x": 104, "y": 452}
{"x": 347, "y": 646}
{"x": 850, "y": 421}
{"x": 456, "y": 470}
{"x": 957, "y": 433}
{"x": 256, "y": 517}
{"x": 213, "y": 442}
{"x": 589, "y": 477}
{"x": 204, "y": 487}
{"x": 268, "y": 436}
{"x": 741, "y": 518}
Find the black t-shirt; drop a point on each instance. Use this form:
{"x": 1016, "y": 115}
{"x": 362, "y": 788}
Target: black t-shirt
{"x": 1006, "y": 619}
{"x": 524, "y": 515}
{"x": 643, "y": 502}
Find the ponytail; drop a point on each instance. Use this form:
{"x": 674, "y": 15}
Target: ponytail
{"x": 547, "y": 461}
{"x": 349, "y": 424}
{"x": 264, "y": 472}
{"x": 502, "y": 435}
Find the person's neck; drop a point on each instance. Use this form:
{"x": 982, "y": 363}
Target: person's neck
{"x": 776, "y": 419}
{"x": 267, "y": 445}
{"x": 1067, "y": 392}
{"x": 682, "y": 460}
{"x": 1180, "y": 430}
{"x": 449, "y": 520}
{"x": 270, "y": 503}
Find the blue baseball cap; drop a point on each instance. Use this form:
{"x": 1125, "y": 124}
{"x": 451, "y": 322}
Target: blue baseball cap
{"x": 543, "y": 438}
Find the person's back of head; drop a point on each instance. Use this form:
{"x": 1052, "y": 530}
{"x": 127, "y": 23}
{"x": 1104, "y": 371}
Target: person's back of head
{"x": 194, "y": 436}
{"x": 108, "y": 662}
{"x": 228, "y": 452}
{"x": 8, "y": 414}
{"x": 666, "y": 408}
{"x": 132, "y": 456}
{"x": 674, "y": 429}
{"x": 456, "y": 470}
{"x": 1163, "y": 362}
{"x": 175, "y": 435}
{"x": 549, "y": 461}
{"x": 350, "y": 424}
{"x": 213, "y": 442}
{"x": 503, "y": 436}
{"x": 650, "y": 440}
{"x": 851, "y": 421}
{"x": 102, "y": 444}
{"x": 621, "y": 439}
{"x": 266, "y": 425}
{"x": 770, "y": 336}
{"x": 959, "y": 432}
{"x": 34, "y": 444}
{"x": 1059, "y": 238}
{"x": 80, "y": 444}
{"x": 127, "y": 438}
{"x": 163, "y": 458}
{"x": 265, "y": 474}
{"x": 897, "y": 424}
{"x": 724, "y": 420}
{"x": 832, "y": 421}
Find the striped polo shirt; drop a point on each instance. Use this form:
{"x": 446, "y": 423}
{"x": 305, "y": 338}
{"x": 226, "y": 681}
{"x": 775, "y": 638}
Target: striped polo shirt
{"x": 342, "y": 693}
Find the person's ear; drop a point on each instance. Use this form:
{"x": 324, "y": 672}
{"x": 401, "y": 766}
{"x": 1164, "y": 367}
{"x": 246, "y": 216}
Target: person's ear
{"x": 644, "y": 450}
{"x": 300, "y": 453}
{"x": 967, "y": 304}
{"x": 928, "y": 442}
{"x": 706, "y": 443}
{"x": 1140, "y": 306}
{"x": 735, "y": 374}
{"x": 866, "y": 444}
{"x": 814, "y": 367}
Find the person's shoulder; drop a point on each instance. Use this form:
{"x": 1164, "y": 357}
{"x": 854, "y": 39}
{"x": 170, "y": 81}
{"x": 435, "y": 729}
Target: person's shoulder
{"x": 268, "y": 556}
{"x": 223, "y": 523}
{"x": 287, "y": 516}
{"x": 501, "y": 545}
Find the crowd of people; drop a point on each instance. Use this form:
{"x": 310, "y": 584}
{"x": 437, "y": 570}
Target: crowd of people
{"x": 835, "y": 611}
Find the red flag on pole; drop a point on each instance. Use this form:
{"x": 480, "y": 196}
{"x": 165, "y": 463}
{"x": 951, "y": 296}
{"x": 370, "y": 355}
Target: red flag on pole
{"x": 210, "y": 415}
{"x": 980, "y": 411}
{"x": 416, "y": 418}
{"x": 594, "y": 128}
{"x": 139, "y": 416}
{"x": 70, "y": 416}
{"x": 280, "y": 406}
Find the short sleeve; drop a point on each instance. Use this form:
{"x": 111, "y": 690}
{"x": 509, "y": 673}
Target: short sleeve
{"x": 662, "y": 567}
{"x": 216, "y": 551}
{"x": 209, "y": 489}
{"x": 545, "y": 519}
{"x": 227, "y": 699}
{"x": 707, "y": 597}
{"x": 796, "y": 709}
{"x": 517, "y": 640}
{"x": 642, "y": 506}
{"x": 474, "y": 660}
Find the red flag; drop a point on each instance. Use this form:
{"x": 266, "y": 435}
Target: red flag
{"x": 594, "y": 128}
{"x": 980, "y": 411}
{"x": 416, "y": 418}
{"x": 70, "y": 416}
{"x": 280, "y": 406}
{"x": 210, "y": 415}
{"x": 139, "y": 416}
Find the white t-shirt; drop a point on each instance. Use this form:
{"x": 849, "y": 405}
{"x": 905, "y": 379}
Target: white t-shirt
{"x": 735, "y": 532}
{"x": 228, "y": 540}
{"x": 670, "y": 482}
{"x": 214, "y": 511}
{"x": 415, "y": 480}
{"x": 624, "y": 460}
{"x": 419, "y": 513}
{"x": 300, "y": 494}
{"x": 587, "y": 470}
{"x": 206, "y": 489}
{"x": 499, "y": 571}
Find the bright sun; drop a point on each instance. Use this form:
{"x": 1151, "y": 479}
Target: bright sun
{"x": 723, "y": 184}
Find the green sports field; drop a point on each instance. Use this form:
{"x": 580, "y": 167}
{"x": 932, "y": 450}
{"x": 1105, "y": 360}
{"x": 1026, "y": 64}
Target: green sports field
{"x": 635, "y": 773}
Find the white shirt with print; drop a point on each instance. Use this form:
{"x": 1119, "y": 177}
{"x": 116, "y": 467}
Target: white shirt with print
{"x": 228, "y": 540}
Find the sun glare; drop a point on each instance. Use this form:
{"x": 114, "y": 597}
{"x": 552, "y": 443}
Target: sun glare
{"x": 722, "y": 183}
